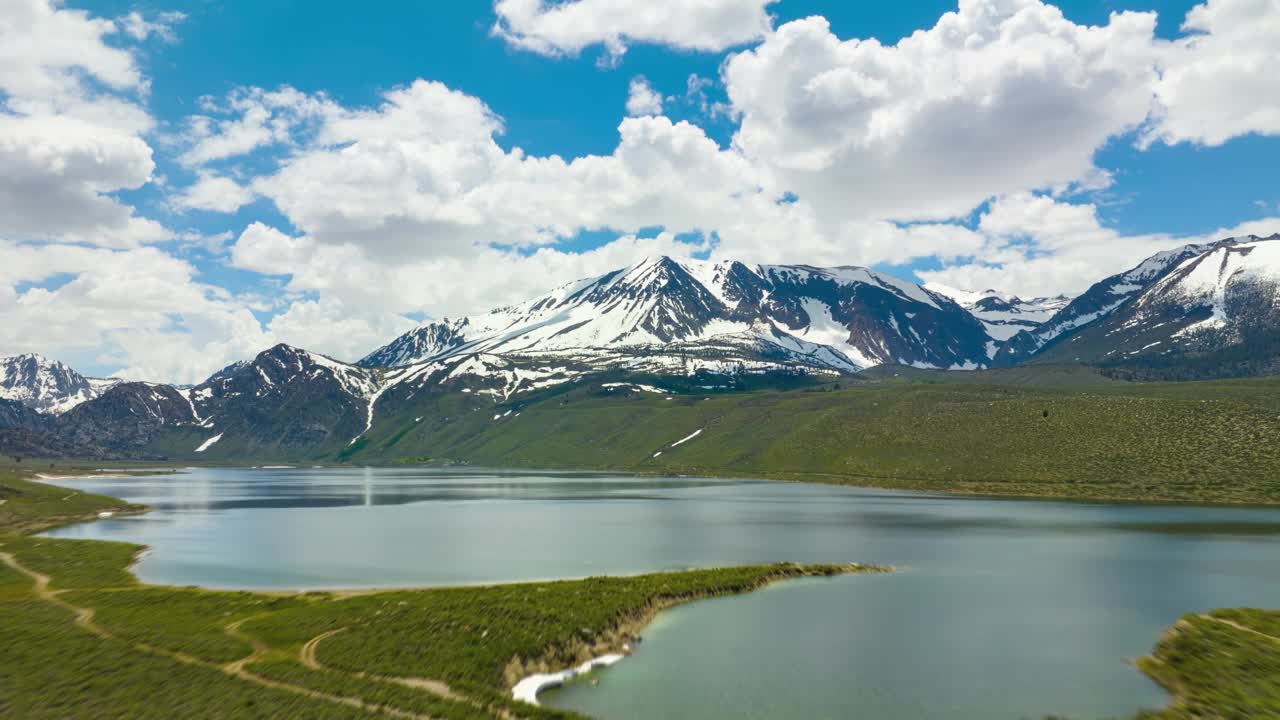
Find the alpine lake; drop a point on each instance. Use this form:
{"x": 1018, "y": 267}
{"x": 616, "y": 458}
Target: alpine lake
{"x": 999, "y": 610}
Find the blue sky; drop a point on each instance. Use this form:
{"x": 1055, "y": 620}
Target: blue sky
{"x": 377, "y": 203}
{"x": 571, "y": 106}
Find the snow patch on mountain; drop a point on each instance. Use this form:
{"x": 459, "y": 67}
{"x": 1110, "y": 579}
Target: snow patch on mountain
{"x": 847, "y": 275}
{"x": 483, "y": 374}
{"x": 1205, "y": 281}
{"x": 687, "y": 438}
{"x": 823, "y": 330}
{"x": 1003, "y": 314}
{"x": 209, "y": 443}
{"x": 47, "y": 386}
{"x": 686, "y": 316}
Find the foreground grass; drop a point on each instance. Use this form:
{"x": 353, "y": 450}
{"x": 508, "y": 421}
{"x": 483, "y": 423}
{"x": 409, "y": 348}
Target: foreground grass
{"x": 52, "y": 668}
{"x": 1184, "y": 442}
{"x": 1222, "y": 665}
{"x": 84, "y": 639}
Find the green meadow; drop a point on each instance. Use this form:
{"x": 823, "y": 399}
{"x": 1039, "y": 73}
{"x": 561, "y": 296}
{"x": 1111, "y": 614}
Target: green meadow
{"x": 1050, "y": 432}
{"x": 84, "y": 639}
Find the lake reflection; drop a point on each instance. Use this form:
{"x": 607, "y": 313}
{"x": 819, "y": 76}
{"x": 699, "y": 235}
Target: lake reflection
{"x": 1003, "y": 609}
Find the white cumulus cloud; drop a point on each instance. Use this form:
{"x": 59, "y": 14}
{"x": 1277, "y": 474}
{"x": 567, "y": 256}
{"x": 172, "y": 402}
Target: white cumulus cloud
{"x": 568, "y": 27}
{"x": 1035, "y": 245}
{"x": 214, "y": 193}
{"x": 996, "y": 97}
{"x": 847, "y": 151}
{"x": 642, "y": 99}
{"x": 1223, "y": 79}
{"x": 71, "y": 128}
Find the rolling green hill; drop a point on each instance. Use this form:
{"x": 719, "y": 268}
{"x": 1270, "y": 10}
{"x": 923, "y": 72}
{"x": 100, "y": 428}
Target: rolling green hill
{"x": 1010, "y": 435}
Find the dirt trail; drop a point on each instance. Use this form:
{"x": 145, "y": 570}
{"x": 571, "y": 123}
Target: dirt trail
{"x": 260, "y": 650}
{"x": 1241, "y": 628}
{"x": 236, "y": 669}
{"x": 307, "y": 656}
{"x": 438, "y": 687}
{"x": 83, "y": 616}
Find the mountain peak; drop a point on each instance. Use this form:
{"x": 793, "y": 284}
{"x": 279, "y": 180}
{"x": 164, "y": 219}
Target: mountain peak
{"x": 283, "y": 352}
{"x": 660, "y": 312}
{"x": 46, "y": 385}
{"x": 283, "y": 349}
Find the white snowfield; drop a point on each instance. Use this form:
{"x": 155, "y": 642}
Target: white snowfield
{"x": 687, "y": 438}
{"x": 1119, "y": 289}
{"x": 1206, "y": 280}
{"x": 47, "y": 386}
{"x": 527, "y": 689}
{"x": 637, "y": 386}
{"x": 209, "y": 443}
{"x": 1014, "y": 314}
{"x": 650, "y": 311}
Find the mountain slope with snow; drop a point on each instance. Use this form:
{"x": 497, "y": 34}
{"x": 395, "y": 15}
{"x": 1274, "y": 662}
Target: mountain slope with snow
{"x": 285, "y": 399}
{"x": 663, "y": 315}
{"x": 1218, "y": 305}
{"x": 127, "y": 415}
{"x": 46, "y": 386}
{"x": 662, "y": 327}
{"x": 1002, "y": 314}
{"x": 14, "y": 414}
{"x": 1099, "y": 301}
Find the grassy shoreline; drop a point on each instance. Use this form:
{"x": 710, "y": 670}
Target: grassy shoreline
{"x": 1024, "y": 434}
{"x": 322, "y": 653}
{"x": 298, "y": 655}
{"x": 1222, "y": 664}
{"x": 30, "y": 505}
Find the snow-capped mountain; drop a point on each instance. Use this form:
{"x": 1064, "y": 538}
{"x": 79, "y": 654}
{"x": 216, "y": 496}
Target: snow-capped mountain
{"x": 1003, "y": 314}
{"x": 130, "y": 414}
{"x": 46, "y": 386}
{"x": 663, "y": 315}
{"x": 1234, "y": 284}
{"x": 284, "y": 398}
{"x": 668, "y": 327}
{"x": 14, "y": 414}
{"x": 1099, "y": 301}
{"x": 1219, "y": 305}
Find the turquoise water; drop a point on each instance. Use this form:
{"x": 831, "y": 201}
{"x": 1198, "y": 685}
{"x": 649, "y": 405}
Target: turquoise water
{"x": 1002, "y": 609}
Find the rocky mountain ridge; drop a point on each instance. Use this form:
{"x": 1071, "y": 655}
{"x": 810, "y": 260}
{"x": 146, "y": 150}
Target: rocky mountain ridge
{"x": 669, "y": 327}
{"x": 664, "y": 315}
{"x": 47, "y": 386}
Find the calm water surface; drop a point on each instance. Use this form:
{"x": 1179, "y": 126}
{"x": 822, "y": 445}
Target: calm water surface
{"x": 1002, "y": 610}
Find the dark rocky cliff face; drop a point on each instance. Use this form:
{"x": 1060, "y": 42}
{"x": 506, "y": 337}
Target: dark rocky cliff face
{"x": 129, "y": 415}
{"x": 14, "y": 414}
{"x": 288, "y": 398}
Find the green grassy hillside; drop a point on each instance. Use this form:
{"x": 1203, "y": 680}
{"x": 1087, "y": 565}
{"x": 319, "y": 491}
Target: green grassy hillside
{"x": 1208, "y": 441}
